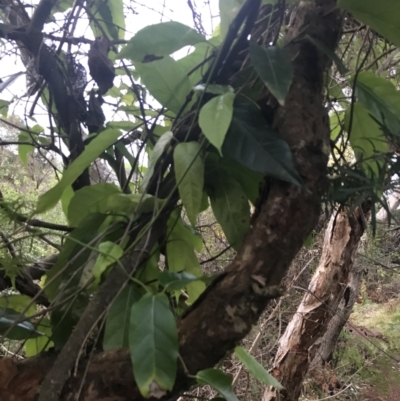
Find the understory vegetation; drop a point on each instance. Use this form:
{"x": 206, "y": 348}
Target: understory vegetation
{"x": 199, "y": 200}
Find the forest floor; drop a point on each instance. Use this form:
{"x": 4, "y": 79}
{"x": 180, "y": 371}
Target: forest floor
{"x": 367, "y": 360}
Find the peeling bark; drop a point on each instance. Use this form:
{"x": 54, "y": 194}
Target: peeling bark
{"x": 297, "y": 346}
{"x": 225, "y": 313}
{"x": 327, "y": 344}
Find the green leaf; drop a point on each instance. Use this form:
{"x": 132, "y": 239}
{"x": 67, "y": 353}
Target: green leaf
{"x": 228, "y": 10}
{"x": 124, "y": 125}
{"x": 248, "y": 179}
{"x": 88, "y": 200}
{"x": 34, "y": 346}
{"x": 66, "y": 199}
{"x": 109, "y": 15}
{"x": 253, "y": 143}
{"x": 158, "y": 150}
{"x": 188, "y": 63}
{"x": 381, "y": 16}
{"x": 381, "y": 99}
{"x": 218, "y": 380}
{"x": 166, "y": 81}
{"x": 366, "y": 138}
{"x": 173, "y": 281}
{"x": 328, "y": 52}
{"x": 24, "y": 150}
{"x": 274, "y": 67}
{"x": 4, "y": 107}
{"x": 153, "y": 343}
{"x": 230, "y": 206}
{"x": 159, "y": 40}
{"x": 204, "y": 202}
{"x": 109, "y": 253}
{"x": 116, "y": 332}
{"x": 189, "y": 173}
{"x": 215, "y": 118}
{"x": 184, "y": 231}
{"x": 92, "y": 151}
{"x": 181, "y": 257}
{"x": 19, "y": 303}
{"x": 256, "y": 369}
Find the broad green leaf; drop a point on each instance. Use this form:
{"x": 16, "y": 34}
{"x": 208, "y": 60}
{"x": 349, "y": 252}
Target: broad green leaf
{"x": 181, "y": 258}
{"x": 253, "y": 143}
{"x": 366, "y": 138}
{"x": 381, "y": 99}
{"x": 92, "y": 151}
{"x": 124, "y": 125}
{"x": 381, "y": 16}
{"x": 230, "y": 206}
{"x": 215, "y": 118}
{"x": 153, "y": 343}
{"x": 249, "y": 180}
{"x": 274, "y": 67}
{"x": 34, "y": 346}
{"x": 19, "y": 303}
{"x": 158, "y": 150}
{"x": 189, "y": 173}
{"x": 204, "y": 202}
{"x": 88, "y": 200}
{"x": 109, "y": 253}
{"x": 228, "y": 10}
{"x": 66, "y": 199}
{"x": 196, "y": 58}
{"x": 218, "y": 380}
{"x": 4, "y": 107}
{"x": 24, "y": 150}
{"x": 159, "y": 40}
{"x": 185, "y": 231}
{"x": 256, "y": 369}
{"x": 166, "y": 81}
{"x": 173, "y": 281}
{"x": 110, "y": 16}
{"x": 116, "y": 332}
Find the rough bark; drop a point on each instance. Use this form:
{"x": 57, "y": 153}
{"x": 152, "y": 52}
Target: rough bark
{"x": 297, "y": 346}
{"x": 234, "y": 302}
{"x": 327, "y": 344}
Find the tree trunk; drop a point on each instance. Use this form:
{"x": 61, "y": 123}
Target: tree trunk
{"x": 296, "y": 346}
{"x": 327, "y": 344}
